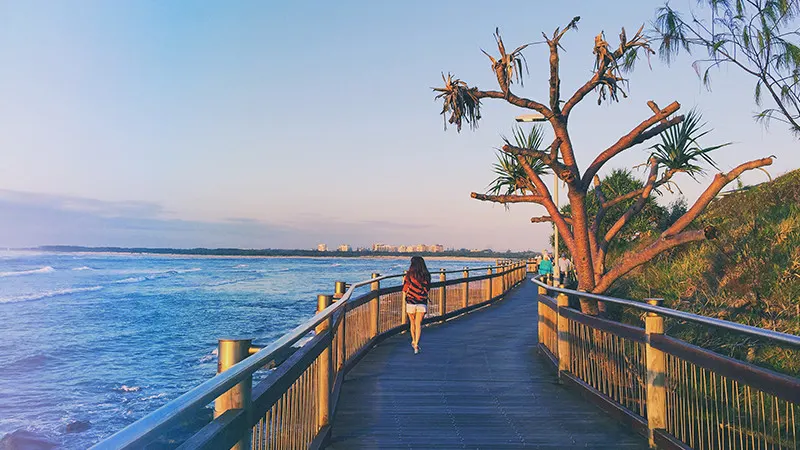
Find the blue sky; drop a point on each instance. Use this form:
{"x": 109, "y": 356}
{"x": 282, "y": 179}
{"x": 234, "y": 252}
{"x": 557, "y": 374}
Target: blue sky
{"x": 261, "y": 124}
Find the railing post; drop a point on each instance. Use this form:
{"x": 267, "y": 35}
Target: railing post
{"x": 442, "y": 294}
{"x": 656, "y": 374}
{"x": 340, "y": 287}
{"x": 563, "y": 337}
{"x": 230, "y": 352}
{"x": 489, "y": 284}
{"x": 465, "y": 298}
{"x": 325, "y": 371}
{"x": 540, "y": 309}
{"x": 403, "y": 315}
{"x": 375, "y": 307}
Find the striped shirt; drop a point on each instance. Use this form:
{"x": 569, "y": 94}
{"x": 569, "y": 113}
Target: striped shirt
{"x": 416, "y": 290}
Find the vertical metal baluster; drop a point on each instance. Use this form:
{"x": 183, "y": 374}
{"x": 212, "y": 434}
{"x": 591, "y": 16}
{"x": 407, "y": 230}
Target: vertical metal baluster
{"x": 587, "y": 351}
{"x": 307, "y": 407}
{"x": 693, "y": 432}
{"x": 278, "y": 423}
{"x": 300, "y": 431}
{"x": 777, "y": 421}
{"x": 290, "y": 410}
{"x": 735, "y": 385}
{"x": 276, "y": 429}
{"x": 791, "y": 434}
{"x": 763, "y": 417}
{"x": 685, "y": 387}
{"x": 709, "y": 431}
{"x": 715, "y": 418}
{"x": 749, "y": 405}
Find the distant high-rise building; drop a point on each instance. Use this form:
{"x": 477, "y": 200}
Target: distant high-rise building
{"x": 322, "y": 247}
{"x": 379, "y": 247}
{"x": 344, "y": 248}
{"x": 436, "y": 248}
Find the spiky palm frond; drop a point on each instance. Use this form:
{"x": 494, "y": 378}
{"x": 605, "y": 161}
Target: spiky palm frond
{"x": 679, "y": 150}
{"x": 508, "y": 66}
{"x": 460, "y": 101}
{"x": 511, "y": 175}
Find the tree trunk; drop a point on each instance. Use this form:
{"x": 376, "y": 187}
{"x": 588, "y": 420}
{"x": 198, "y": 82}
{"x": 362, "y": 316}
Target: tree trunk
{"x": 583, "y": 254}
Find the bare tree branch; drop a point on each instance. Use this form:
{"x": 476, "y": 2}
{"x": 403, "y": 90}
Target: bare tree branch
{"x": 635, "y": 136}
{"x": 511, "y": 198}
{"x": 720, "y": 180}
{"x": 549, "y": 204}
{"x": 543, "y": 219}
{"x": 638, "y": 258}
{"x": 561, "y": 170}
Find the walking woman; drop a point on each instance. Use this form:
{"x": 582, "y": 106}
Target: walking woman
{"x": 415, "y": 294}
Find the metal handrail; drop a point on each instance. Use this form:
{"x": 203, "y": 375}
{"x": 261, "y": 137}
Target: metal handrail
{"x": 201, "y": 395}
{"x": 784, "y": 338}
{"x": 204, "y": 393}
{"x": 436, "y": 272}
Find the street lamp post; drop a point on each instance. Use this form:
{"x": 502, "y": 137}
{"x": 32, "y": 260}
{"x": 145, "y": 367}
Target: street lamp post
{"x": 540, "y": 118}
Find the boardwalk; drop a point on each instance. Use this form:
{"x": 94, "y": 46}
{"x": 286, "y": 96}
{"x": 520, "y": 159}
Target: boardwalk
{"x": 477, "y": 383}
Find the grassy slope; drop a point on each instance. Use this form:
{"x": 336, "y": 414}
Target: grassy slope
{"x": 750, "y": 274}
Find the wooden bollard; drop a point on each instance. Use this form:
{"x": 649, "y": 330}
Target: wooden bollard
{"x": 489, "y": 284}
{"x": 325, "y": 367}
{"x": 340, "y": 287}
{"x": 442, "y": 294}
{"x": 563, "y": 337}
{"x": 540, "y": 309}
{"x": 375, "y": 307}
{"x": 465, "y": 297}
{"x": 403, "y": 315}
{"x": 231, "y": 352}
{"x": 656, "y": 374}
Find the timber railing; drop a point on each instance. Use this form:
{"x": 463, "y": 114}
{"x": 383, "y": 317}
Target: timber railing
{"x": 292, "y": 406}
{"x": 677, "y": 394}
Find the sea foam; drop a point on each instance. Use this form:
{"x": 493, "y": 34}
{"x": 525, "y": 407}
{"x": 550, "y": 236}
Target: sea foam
{"x": 47, "y": 294}
{"x": 46, "y": 269}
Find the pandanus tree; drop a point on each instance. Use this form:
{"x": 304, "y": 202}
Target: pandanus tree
{"x": 580, "y": 231}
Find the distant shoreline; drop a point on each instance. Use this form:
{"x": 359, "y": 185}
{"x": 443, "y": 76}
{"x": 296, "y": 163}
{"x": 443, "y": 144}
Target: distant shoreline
{"x": 274, "y": 253}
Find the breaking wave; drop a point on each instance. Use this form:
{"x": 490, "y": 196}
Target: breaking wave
{"x": 47, "y": 294}
{"x": 46, "y": 269}
{"x": 156, "y": 275}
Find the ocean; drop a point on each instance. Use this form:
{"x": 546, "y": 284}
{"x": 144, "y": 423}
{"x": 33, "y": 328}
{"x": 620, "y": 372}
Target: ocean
{"x": 103, "y": 339}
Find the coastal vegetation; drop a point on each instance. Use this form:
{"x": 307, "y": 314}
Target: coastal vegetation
{"x": 750, "y": 274}
{"x": 580, "y": 228}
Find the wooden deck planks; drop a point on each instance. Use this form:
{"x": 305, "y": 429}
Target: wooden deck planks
{"x": 477, "y": 383}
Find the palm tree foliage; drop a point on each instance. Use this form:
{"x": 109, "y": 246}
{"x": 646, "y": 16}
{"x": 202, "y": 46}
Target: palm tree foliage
{"x": 460, "y": 101}
{"x": 511, "y": 175}
{"x": 759, "y": 37}
{"x": 679, "y": 150}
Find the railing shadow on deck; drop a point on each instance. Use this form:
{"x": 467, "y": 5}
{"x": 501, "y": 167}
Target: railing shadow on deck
{"x": 292, "y": 406}
{"x": 677, "y": 394}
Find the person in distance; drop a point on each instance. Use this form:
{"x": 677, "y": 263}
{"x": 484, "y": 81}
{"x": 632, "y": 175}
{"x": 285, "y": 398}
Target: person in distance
{"x": 416, "y": 286}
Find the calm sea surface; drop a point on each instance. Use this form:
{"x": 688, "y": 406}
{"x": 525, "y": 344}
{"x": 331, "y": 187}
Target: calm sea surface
{"x": 106, "y": 339}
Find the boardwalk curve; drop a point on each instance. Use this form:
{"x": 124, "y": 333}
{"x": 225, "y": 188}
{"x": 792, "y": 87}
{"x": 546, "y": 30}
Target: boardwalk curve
{"x": 477, "y": 383}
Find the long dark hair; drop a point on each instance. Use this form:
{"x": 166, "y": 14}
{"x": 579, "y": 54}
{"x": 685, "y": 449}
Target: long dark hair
{"x": 418, "y": 269}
